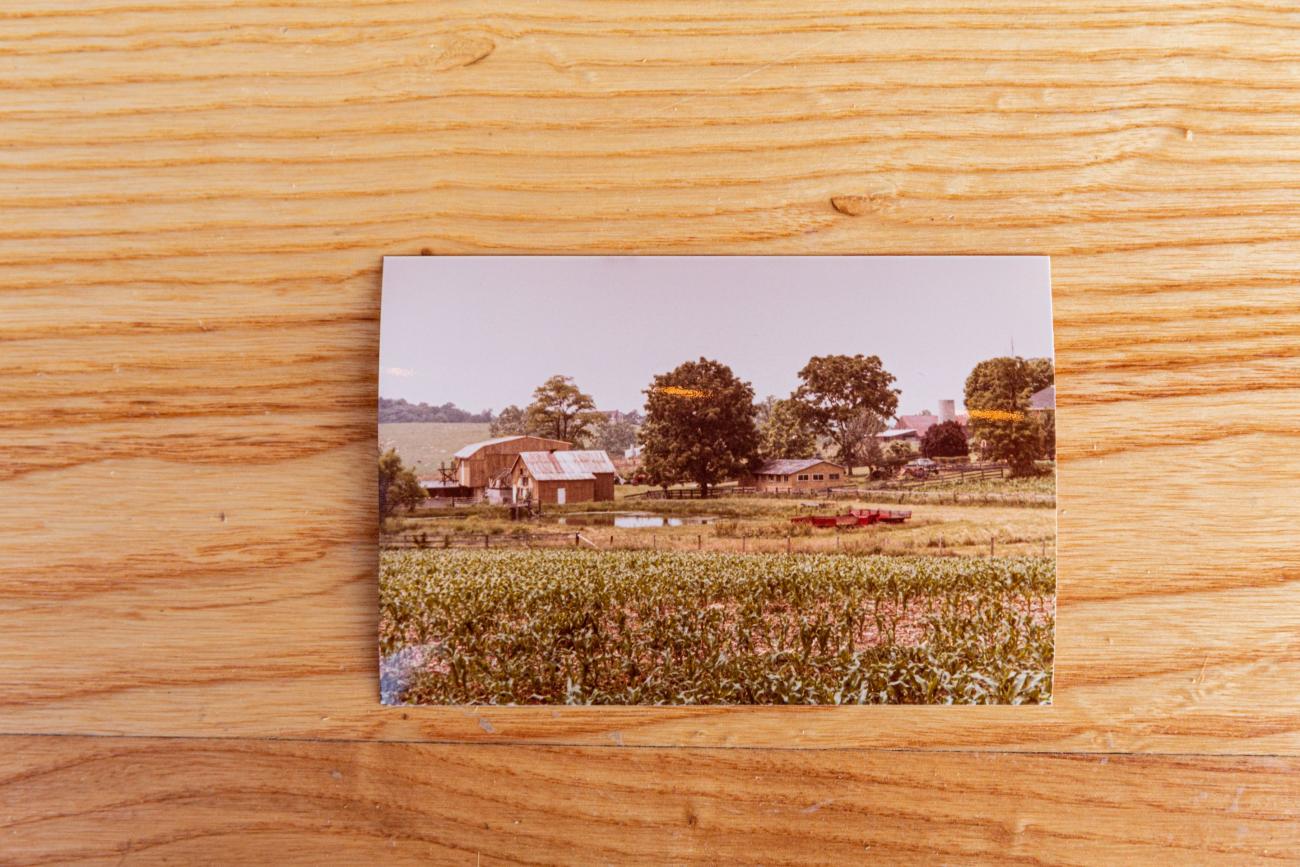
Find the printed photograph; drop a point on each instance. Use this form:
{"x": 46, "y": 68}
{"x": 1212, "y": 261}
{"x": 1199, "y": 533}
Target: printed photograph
{"x": 716, "y": 480}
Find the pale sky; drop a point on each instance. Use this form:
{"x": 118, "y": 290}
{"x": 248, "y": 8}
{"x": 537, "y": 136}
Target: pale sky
{"x": 483, "y": 331}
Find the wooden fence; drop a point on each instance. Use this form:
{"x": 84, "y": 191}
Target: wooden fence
{"x": 419, "y": 541}
{"x": 974, "y": 472}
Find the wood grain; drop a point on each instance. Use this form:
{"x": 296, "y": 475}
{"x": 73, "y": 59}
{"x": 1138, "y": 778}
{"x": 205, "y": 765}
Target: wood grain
{"x": 109, "y": 800}
{"x": 196, "y": 198}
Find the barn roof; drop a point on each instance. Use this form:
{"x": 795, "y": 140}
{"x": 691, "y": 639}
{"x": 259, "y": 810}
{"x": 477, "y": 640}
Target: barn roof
{"x": 566, "y": 466}
{"x": 785, "y": 466}
{"x": 1044, "y": 399}
{"x": 469, "y": 450}
{"x": 922, "y": 422}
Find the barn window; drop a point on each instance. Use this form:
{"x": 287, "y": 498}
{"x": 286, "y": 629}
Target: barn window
{"x": 834, "y": 476}
{"x": 817, "y": 477}
{"x": 803, "y": 477}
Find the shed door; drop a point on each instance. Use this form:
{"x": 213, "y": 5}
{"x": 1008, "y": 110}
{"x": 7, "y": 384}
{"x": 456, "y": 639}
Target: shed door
{"x": 559, "y": 496}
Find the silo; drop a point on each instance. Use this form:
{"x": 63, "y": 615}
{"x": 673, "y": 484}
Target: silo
{"x": 947, "y": 410}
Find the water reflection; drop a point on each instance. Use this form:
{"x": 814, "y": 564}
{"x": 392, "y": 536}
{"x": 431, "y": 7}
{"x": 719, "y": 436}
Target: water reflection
{"x": 630, "y": 519}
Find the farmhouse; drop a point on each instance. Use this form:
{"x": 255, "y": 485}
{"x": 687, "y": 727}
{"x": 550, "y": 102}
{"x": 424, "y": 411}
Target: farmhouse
{"x": 560, "y": 477}
{"x": 798, "y": 474}
{"x": 478, "y": 463}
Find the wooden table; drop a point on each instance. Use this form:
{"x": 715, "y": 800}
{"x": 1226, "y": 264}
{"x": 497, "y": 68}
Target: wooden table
{"x": 196, "y": 196}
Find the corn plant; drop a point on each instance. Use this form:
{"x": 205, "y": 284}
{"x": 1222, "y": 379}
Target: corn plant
{"x": 635, "y": 627}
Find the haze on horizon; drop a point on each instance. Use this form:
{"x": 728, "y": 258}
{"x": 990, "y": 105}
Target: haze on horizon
{"x": 483, "y": 331}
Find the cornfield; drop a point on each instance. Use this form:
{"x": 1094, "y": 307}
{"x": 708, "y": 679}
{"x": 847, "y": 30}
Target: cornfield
{"x": 633, "y": 627}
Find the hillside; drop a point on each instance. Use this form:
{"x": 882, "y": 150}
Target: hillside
{"x": 426, "y": 444}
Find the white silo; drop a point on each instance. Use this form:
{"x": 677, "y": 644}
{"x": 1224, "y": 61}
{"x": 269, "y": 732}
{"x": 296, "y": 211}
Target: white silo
{"x": 947, "y": 410}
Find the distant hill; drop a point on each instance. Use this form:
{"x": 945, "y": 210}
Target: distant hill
{"x": 399, "y": 410}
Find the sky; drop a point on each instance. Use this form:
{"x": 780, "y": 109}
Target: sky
{"x": 483, "y": 331}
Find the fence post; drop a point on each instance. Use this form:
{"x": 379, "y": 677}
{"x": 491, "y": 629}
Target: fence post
{"x": 486, "y": 537}
{"x": 575, "y": 539}
{"x": 789, "y": 542}
{"x": 991, "y": 549}
{"x": 699, "y": 541}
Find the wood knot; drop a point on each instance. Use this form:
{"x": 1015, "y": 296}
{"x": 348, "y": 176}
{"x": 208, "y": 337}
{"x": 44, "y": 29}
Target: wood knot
{"x": 464, "y": 51}
{"x": 855, "y": 206}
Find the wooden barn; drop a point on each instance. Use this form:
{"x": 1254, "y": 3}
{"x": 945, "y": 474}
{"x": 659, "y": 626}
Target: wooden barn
{"x": 798, "y": 474}
{"x": 560, "y": 477}
{"x": 478, "y": 463}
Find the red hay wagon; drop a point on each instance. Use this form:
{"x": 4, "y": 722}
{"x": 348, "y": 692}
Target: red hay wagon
{"x": 854, "y": 518}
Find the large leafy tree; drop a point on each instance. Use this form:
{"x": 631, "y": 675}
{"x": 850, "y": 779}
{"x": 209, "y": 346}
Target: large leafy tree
{"x": 511, "y": 421}
{"x": 997, "y": 399}
{"x": 846, "y": 398}
{"x": 613, "y": 436}
{"x": 561, "y": 411}
{"x": 783, "y": 431}
{"x": 699, "y": 425}
{"x": 1047, "y": 433}
{"x": 398, "y": 485}
{"x": 945, "y": 440}
{"x": 1042, "y": 373}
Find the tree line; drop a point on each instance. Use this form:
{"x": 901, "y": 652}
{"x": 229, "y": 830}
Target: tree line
{"x": 399, "y": 410}
{"x": 702, "y": 423}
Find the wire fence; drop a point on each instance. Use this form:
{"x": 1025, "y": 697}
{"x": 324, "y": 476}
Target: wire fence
{"x": 794, "y": 542}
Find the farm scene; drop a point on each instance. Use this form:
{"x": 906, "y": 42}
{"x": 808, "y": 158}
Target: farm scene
{"x": 701, "y": 544}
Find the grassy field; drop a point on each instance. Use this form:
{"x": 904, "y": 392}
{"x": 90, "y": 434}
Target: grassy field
{"x": 426, "y": 444}
{"x": 626, "y": 627}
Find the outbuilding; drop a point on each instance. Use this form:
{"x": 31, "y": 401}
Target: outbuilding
{"x": 477, "y": 463}
{"x": 787, "y": 475}
{"x": 560, "y": 477}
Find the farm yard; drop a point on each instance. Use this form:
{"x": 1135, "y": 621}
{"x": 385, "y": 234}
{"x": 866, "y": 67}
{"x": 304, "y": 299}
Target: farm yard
{"x": 677, "y": 536}
{"x": 646, "y": 627}
{"x": 739, "y": 525}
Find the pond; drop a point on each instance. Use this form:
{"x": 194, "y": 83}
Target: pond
{"x": 630, "y": 519}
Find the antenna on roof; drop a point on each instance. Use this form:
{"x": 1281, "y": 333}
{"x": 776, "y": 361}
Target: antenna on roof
{"x": 1013, "y": 346}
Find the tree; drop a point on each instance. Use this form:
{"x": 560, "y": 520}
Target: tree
{"x": 862, "y": 431}
{"x": 945, "y": 440}
{"x": 614, "y": 437}
{"x": 561, "y": 411}
{"x": 873, "y": 456}
{"x": 1042, "y": 373}
{"x": 511, "y": 421}
{"x": 1047, "y": 434}
{"x": 898, "y": 454}
{"x": 837, "y": 395}
{"x": 699, "y": 425}
{"x": 783, "y": 431}
{"x": 398, "y": 486}
{"x": 997, "y": 398}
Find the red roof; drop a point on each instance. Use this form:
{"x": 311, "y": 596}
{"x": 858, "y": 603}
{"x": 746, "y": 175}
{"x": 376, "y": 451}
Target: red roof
{"x": 566, "y": 465}
{"x": 923, "y": 422}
